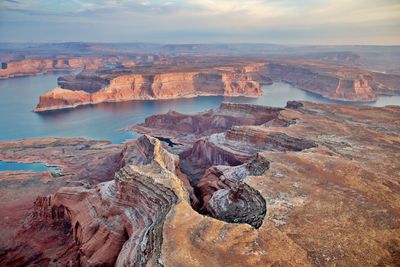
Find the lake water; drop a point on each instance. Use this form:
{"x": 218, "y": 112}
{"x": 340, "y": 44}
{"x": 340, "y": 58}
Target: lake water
{"x": 105, "y": 121}
{"x": 19, "y": 166}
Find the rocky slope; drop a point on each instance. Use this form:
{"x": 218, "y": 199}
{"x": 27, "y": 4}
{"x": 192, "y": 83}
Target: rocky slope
{"x": 149, "y": 86}
{"x": 315, "y": 185}
{"x": 24, "y": 67}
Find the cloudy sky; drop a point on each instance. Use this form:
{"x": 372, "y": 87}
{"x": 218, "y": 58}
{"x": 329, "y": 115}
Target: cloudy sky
{"x": 202, "y": 21}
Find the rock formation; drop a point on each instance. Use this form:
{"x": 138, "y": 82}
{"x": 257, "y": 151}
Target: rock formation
{"x": 314, "y": 185}
{"x": 316, "y": 79}
{"x": 224, "y": 195}
{"x": 185, "y": 129}
{"x": 117, "y": 222}
{"x": 336, "y": 82}
{"x": 24, "y": 67}
{"x": 147, "y": 86}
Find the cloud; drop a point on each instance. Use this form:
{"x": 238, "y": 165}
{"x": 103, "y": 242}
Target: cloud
{"x": 252, "y": 20}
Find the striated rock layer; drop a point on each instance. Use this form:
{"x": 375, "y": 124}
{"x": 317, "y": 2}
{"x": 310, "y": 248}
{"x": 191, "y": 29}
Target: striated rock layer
{"x": 117, "y": 222}
{"x": 36, "y": 66}
{"x": 185, "y": 129}
{"x": 151, "y": 86}
{"x": 336, "y": 82}
{"x": 80, "y": 162}
{"x": 330, "y": 182}
{"x": 316, "y": 185}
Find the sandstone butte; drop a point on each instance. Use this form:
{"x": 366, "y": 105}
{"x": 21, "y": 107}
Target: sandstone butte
{"x": 306, "y": 185}
{"x": 335, "y": 82}
{"x": 155, "y": 86}
{"x": 28, "y": 66}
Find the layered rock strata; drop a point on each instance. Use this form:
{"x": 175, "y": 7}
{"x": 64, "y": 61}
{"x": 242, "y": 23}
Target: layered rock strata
{"x": 157, "y": 86}
{"x": 80, "y": 162}
{"x": 327, "y": 156}
{"x": 115, "y": 223}
{"x": 327, "y": 84}
{"x": 185, "y": 129}
{"x": 336, "y": 82}
{"x": 36, "y": 66}
{"x": 225, "y": 196}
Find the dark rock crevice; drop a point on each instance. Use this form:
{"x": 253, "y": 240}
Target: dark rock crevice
{"x": 223, "y": 195}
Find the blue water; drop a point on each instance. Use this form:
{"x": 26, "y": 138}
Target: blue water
{"x": 105, "y": 121}
{"x": 18, "y": 166}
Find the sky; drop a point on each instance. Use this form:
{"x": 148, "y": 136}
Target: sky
{"x": 326, "y": 22}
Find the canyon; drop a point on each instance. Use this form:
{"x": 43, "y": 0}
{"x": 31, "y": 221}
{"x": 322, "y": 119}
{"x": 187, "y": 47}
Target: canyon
{"x": 243, "y": 185}
{"x": 236, "y": 78}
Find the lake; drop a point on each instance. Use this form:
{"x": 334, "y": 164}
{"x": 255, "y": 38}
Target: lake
{"x": 19, "y": 166}
{"x": 19, "y": 96}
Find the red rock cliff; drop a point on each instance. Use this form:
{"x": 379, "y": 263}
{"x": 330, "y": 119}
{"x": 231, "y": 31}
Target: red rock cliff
{"x": 36, "y": 66}
{"x": 158, "y": 86}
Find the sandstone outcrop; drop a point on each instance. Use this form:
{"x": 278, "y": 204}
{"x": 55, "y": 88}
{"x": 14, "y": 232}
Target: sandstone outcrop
{"x": 300, "y": 188}
{"x": 148, "y": 86}
{"x": 235, "y": 147}
{"x": 185, "y": 129}
{"x": 336, "y": 82}
{"x": 319, "y": 81}
{"x": 80, "y": 162}
{"x": 36, "y": 66}
{"x": 224, "y": 195}
{"x": 117, "y": 222}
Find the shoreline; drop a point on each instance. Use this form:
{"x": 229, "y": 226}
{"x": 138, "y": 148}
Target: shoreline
{"x": 54, "y": 108}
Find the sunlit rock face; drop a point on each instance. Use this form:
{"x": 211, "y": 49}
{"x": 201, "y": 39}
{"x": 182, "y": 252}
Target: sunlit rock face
{"x": 84, "y": 89}
{"x": 240, "y": 77}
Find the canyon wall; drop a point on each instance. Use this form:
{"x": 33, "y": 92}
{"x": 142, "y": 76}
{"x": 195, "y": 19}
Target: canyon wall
{"x": 335, "y": 82}
{"x": 322, "y": 82}
{"x": 118, "y": 222}
{"x": 158, "y": 86}
{"x": 36, "y": 66}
